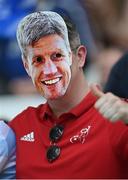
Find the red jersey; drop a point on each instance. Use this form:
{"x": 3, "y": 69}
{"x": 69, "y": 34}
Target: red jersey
{"x": 91, "y": 146}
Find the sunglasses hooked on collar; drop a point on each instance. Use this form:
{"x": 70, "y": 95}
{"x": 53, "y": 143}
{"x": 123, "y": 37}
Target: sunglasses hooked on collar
{"x": 55, "y": 135}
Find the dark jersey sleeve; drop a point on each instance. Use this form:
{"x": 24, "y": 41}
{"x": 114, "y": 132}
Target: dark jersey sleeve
{"x": 118, "y": 79}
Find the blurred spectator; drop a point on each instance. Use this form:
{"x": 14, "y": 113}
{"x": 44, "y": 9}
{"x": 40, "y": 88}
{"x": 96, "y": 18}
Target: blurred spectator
{"x": 3, "y": 79}
{"x": 109, "y": 21}
{"x": 118, "y": 79}
{"x": 12, "y": 74}
{"x": 7, "y": 152}
{"x": 11, "y": 12}
{"x": 4, "y": 119}
{"x": 105, "y": 60}
{"x": 99, "y": 70}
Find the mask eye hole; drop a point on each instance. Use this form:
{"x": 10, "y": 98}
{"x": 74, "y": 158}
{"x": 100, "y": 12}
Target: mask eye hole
{"x": 39, "y": 59}
{"x": 56, "y": 56}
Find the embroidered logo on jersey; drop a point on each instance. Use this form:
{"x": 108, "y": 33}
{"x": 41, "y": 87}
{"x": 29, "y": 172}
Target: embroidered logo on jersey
{"x": 80, "y": 137}
{"x": 28, "y": 137}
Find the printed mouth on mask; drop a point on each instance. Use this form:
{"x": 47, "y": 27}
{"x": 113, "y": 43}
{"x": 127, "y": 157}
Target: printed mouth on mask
{"x": 52, "y": 81}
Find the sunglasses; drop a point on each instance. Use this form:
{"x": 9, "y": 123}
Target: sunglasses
{"x": 55, "y": 135}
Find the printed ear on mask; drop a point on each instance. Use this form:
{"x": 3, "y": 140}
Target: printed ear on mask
{"x": 81, "y": 53}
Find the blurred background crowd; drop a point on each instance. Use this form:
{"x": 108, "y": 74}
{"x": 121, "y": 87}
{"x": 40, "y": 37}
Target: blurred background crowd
{"x": 102, "y": 24}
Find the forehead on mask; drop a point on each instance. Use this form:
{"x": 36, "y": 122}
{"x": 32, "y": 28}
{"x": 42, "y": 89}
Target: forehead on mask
{"x": 38, "y": 24}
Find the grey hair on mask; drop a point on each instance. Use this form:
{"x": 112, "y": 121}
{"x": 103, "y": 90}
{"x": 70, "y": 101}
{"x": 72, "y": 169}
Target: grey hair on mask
{"x": 39, "y": 24}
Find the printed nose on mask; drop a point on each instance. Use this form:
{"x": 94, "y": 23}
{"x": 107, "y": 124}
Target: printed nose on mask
{"x": 49, "y": 67}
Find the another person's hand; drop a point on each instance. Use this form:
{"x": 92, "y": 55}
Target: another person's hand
{"x": 110, "y": 106}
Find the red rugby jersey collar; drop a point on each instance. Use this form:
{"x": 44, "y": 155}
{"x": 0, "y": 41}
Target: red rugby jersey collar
{"x": 79, "y": 109}
{"x": 84, "y": 105}
{"x": 46, "y": 110}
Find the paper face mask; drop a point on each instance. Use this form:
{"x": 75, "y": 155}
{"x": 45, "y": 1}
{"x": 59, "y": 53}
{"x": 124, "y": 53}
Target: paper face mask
{"x": 49, "y": 63}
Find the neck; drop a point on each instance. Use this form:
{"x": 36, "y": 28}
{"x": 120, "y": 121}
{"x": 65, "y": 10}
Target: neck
{"x": 76, "y": 91}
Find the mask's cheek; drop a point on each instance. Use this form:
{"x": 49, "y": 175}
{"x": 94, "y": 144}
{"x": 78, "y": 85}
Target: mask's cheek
{"x": 39, "y": 86}
{"x": 35, "y": 77}
{"x": 67, "y": 78}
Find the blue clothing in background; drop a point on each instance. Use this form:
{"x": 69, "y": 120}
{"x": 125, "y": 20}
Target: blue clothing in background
{"x": 7, "y": 152}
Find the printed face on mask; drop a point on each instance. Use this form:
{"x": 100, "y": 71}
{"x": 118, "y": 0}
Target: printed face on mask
{"x": 48, "y": 64}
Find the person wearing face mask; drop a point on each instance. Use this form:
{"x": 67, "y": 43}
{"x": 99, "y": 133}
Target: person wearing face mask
{"x": 77, "y": 133}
